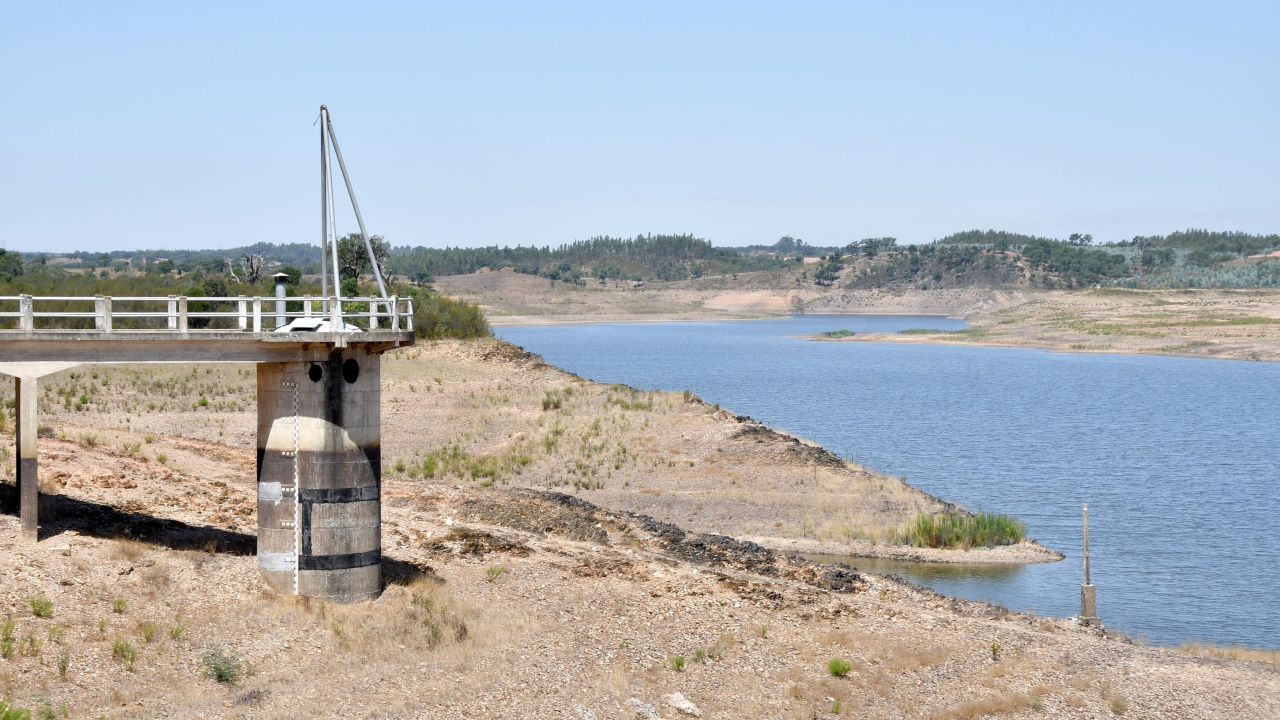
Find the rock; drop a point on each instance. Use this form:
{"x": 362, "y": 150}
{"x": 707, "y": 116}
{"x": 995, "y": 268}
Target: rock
{"x": 643, "y": 711}
{"x": 584, "y": 713}
{"x": 677, "y": 702}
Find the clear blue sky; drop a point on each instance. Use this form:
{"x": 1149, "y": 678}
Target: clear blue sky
{"x": 180, "y": 125}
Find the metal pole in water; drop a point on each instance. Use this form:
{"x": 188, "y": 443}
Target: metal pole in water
{"x": 1088, "y": 593}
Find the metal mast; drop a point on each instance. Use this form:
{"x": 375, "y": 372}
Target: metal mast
{"x": 368, "y": 246}
{"x": 324, "y": 216}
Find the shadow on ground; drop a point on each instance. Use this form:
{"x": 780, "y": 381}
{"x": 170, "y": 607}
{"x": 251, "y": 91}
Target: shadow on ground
{"x": 60, "y": 514}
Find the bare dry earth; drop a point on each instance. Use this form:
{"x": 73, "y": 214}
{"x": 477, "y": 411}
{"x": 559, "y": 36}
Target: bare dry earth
{"x": 1232, "y": 324}
{"x": 516, "y": 299}
{"x": 586, "y": 618}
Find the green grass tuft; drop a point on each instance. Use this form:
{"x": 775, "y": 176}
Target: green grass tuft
{"x": 951, "y": 530}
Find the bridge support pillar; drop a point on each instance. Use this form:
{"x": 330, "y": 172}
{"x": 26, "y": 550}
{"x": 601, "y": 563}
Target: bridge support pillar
{"x": 25, "y": 432}
{"x": 320, "y": 476}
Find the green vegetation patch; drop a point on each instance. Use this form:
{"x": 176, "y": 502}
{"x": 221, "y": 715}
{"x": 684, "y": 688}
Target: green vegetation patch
{"x": 954, "y": 530}
{"x": 837, "y": 334}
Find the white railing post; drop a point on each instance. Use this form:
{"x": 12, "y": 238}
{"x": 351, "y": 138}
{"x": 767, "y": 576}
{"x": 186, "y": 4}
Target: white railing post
{"x": 306, "y": 306}
{"x": 97, "y": 312}
{"x": 182, "y": 314}
{"x": 106, "y": 314}
{"x": 257, "y": 314}
{"x": 408, "y": 316}
{"x": 28, "y": 320}
{"x": 172, "y": 320}
{"x": 335, "y": 315}
{"x": 373, "y": 314}
{"x": 395, "y": 313}
{"x": 242, "y": 305}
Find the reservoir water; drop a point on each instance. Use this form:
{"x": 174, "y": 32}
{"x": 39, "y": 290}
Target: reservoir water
{"x": 1178, "y": 458}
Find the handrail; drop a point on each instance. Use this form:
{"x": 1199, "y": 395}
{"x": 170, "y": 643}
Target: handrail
{"x": 247, "y": 312}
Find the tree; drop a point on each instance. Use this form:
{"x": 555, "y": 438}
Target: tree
{"x": 10, "y": 264}
{"x": 252, "y": 264}
{"x": 295, "y": 275}
{"x": 353, "y": 257}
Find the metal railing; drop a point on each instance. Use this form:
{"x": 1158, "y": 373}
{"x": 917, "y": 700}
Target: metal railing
{"x": 184, "y": 314}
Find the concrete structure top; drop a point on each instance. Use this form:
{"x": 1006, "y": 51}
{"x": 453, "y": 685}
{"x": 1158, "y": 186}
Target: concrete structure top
{"x": 44, "y": 352}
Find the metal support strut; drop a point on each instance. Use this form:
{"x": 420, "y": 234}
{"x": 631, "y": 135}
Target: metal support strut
{"x": 327, "y": 137}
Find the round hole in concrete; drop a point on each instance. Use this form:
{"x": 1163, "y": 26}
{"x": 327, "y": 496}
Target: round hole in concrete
{"x": 350, "y": 371}
{"x": 315, "y": 373}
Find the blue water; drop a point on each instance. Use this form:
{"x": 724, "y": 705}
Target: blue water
{"x": 1178, "y": 458}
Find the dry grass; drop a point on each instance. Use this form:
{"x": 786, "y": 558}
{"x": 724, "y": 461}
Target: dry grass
{"x": 1231, "y": 652}
{"x": 1009, "y": 702}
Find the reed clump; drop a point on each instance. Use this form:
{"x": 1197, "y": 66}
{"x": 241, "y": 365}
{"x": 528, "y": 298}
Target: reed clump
{"x": 955, "y": 530}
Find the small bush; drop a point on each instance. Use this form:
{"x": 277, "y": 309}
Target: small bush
{"x": 221, "y": 666}
{"x": 64, "y": 663}
{"x": 125, "y": 652}
{"x": 837, "y": 334}
{"x": 41, "y": 607}
{"x": 494, "y": 572}
{"x": 162, "y": 458}
{"x": 1119, "y": 705}
{"x": 839, "y": 667}
{"x": 176, "y": 630}
{"x": 677, "y": 663}
{"x": 203, "y": 402}
{"x": 149, "y": 630}
{"x": 119, "y": 605}
{"x": 88, "y": 440}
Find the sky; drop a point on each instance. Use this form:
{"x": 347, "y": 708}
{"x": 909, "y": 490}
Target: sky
{"x": 184, "y": 125}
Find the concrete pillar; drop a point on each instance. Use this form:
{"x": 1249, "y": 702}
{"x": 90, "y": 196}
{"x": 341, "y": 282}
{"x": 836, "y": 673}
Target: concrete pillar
{"x": 24, "y": 392}
{"x": 1089, "y": 604}
{"x": 320, "y": 511}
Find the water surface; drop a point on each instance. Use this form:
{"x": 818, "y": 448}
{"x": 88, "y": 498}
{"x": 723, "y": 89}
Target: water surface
{"x": 1176, "y": 457}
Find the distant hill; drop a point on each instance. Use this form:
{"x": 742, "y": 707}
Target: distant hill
{"x": 1190, "y": 258}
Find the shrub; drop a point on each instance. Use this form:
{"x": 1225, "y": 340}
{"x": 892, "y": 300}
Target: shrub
{"x": 494, "y": 572}
{"x": 837, "y": 334}
{"x": 41, "y": 607}
{"x": 13, "y": 712}
{"x": 88, "y": 440}
{"x": 176, "y": 630}
{"x": 677, "y": 663}
{"x": 148, "y": 630}
{"x": 222, "y": 666}
{"x": 7, "y": 644}
{"x": 839, "y": 667}
{"x": 119, "y": 605}
{"x": 64, "y": 663}
{"x": 125, "y": 652}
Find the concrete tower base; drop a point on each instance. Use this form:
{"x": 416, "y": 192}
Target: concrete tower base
{"x": 320, "y": 476}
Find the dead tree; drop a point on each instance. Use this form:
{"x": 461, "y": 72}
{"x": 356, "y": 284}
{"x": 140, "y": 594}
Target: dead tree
{"x": 252, "y": 265}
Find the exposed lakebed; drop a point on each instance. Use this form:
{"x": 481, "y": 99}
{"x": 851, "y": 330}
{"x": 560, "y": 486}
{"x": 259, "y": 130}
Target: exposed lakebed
{"x": 1176, "y": 457}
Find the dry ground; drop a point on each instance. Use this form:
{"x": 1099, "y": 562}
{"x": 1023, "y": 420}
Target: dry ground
{"x": 510, "y": 602}
{"x": 1234, "y": 324}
